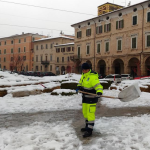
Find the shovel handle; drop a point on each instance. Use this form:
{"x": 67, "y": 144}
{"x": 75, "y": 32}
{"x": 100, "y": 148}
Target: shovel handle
{"x": 97, "y": 95}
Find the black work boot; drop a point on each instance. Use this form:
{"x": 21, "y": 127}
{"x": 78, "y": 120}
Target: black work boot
{"x": 87, "y": 133}
{"x": 86, "y": 126}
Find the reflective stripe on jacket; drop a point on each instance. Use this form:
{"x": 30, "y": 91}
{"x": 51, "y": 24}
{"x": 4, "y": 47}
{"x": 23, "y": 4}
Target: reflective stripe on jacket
{"x": 90, "y": 82}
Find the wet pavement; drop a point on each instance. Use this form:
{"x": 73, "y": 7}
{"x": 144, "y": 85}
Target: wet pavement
{"x": 21, "y": 119}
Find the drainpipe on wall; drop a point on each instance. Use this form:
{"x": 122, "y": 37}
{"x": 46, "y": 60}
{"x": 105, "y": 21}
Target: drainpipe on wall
{"x": 142, "y": 40}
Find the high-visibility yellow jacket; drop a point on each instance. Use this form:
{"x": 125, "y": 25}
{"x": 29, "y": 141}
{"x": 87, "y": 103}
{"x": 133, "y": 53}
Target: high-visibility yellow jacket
{"x": 90, "y": 82}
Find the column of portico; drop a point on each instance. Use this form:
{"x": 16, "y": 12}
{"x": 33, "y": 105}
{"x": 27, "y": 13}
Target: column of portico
{"x": 143, "y": 73}
{"x": 108, "y": 66}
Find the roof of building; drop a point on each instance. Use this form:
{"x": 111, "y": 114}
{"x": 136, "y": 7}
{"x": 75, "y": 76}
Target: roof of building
{"x": 16, "y": 35}
{"x": 64, "y": 44}
{"x": 111, "y": 4}
{"x": 110, "y": 12}
{"x": 49, "y": 38}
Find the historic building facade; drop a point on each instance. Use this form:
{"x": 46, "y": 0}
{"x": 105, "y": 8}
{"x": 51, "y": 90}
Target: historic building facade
{"x": 16, "y": 52}
{"x": 116, "y": 42}
{"x": 53, "y": 54}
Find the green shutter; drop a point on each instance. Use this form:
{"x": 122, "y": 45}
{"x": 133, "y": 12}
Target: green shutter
{"x": 90, "y": 31}
{"x": 116, "y": 24}
{"x": 119, "y": 44}
{"x": 105, "y": 28}
{"x": 148, "y": 17}
{"x": 80, "y": 34}
{"x": 109, "y": 26}
{"x": 148, "y": 40}
{"x": 86, "y": 32}
{"x": 101, "y": 29}
{"x": 77, "y": 34}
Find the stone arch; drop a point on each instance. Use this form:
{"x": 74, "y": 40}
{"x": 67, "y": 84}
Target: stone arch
{"x": 147, "y": 66}
{"x": 63, "y": 69}
{"x": 134, "y": 67}
{"x": 118, "y": 66}
{"x": 101, "y": 67}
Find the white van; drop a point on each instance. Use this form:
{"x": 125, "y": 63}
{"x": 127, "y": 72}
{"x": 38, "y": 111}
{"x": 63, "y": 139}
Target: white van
{"x": 126, "y": 77}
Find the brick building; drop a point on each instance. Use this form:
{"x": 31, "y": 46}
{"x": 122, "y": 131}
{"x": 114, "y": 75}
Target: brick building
{"x": 116, "y": 42}
{"x": 16, "y": 52}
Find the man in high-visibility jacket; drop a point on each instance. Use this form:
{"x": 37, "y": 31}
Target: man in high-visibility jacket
{"x": 89, "y": 82}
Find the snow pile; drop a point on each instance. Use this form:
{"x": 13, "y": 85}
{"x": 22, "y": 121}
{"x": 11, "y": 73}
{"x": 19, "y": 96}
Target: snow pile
{"x": 59, "y": 91}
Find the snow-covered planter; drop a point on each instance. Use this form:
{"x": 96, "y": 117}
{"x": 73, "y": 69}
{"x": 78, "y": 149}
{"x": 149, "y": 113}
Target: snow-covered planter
{"x": 145, "y": 88}
{"x": 63, "y": 92}
{"x": 69, "y": 85}
{"x": 105, "y": 83}
{"x": 3, "y": 93}
{"x": 48, "y": 90}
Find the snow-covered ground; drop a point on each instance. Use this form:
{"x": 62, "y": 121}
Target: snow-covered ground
{"x": 117, "y": 133}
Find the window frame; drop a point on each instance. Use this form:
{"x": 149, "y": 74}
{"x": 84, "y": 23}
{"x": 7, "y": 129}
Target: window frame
{"x": 132, "y": 42}
{"x": 147, "y": 46}
{"x": 133, "y": 20}
{"x": 106, "y": 45}
{"x": 107, "y": 27}
{"x": 148, "y": 16}
{"x": 99, "y": 29}
{"x": 99, "y": 43}
{"x": 88, "y": 46}
{"x": 78, "y": 49}
{"x": 118, "y": 45}
{"x": 79, "y": 34}
{"x": 88, "y": 32}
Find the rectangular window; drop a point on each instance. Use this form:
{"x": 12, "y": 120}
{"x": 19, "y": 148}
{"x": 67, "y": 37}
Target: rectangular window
{"x": 37, "y": 68}
{"x": 88, "y": 49}
{"x": 51, "y": 45}
{"x": 68, "y": 49}
{"x": 88, "y": 32}
{"x": 24, "y": 49}
{"x": 4, "y": 59}
{"x": 12, "y": 42}
{"x": 63, "y": 49}
{"x": 133, "y": 42}
{"x": 119, "y": 45}
{"x": 79, "y": 51}
{"x": 79, "y": 34}
{"x": 148, "y": 40}
{"x": 119, "y": 24}
{"x": 98, "y": 48}
{"x": 107, "y": 46}
{"x": 12, "y": 50}
{"x": 134, "y": 20}
{"x": 73, "y": 49}
{"x": 0, "y": 43}
{"x": 37, "y": 58}
{"x": 57, "y": 59}
{"x": 36, "y": 47}
{"x": 5, "y": 43}
{"x": 41, "y": 58}
{"x": 107, "y": 27}
{"x": 57, "y": 50}
{"x": 0, "y": 51}
{"x": 11, "y": 58}
{"x": 99, "y": 29}
{"x": 42, "y": 47}
{"x": 4, "y": 51}
{"x": 18, "y": 50}
{"x": 41, "y": 68}
{"x": 148, "y": 17}
{"x": 19, "y": 41}
{"x": 24, "y": 57}
{"x": 0, "y": 59}
{"x": 24, "y": 39}
{"x": 50, "y": 67}
{"x": 62, "y": 59}
{"x": 46, "y": 46}
{"x": 51, "y": 57}
{"x": 68, "y": 59}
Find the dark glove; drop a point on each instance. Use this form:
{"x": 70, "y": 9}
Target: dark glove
{"x": 79, "y": 88}
{"x": 99, "y": 93}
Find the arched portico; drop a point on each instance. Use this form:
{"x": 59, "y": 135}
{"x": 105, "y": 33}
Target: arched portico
{"x": 134, "y": 66}
{"x": 147, "y": 66}
{"x": 63, "y": 70}
{"x": 101, "y": 67}
{"x": 118, "y": 66}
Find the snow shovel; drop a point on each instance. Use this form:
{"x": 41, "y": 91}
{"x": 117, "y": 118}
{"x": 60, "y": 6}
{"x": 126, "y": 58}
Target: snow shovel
{"x": 130, "y": 93}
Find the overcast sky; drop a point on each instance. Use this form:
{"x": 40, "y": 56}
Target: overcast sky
{"x": 47, "y": 21}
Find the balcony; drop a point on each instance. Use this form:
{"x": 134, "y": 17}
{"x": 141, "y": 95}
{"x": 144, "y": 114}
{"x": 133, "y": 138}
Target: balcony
{"x": 75, "y": 57}
{"x": 45, "y": 62}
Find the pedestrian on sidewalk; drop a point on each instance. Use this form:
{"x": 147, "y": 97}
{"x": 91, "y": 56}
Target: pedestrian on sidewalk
{"x": 89, "y": 82}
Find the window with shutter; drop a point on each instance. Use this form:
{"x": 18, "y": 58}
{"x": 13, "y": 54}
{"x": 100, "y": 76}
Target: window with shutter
{"x": 98, "y": 48}
{"x": 148, "y": 17}
{"x": 88, "y": 49}
{"x": 107, "y": 46}
{"x": 79, "y": 34}
{"x": 134, "y": 20}
{"x": 119, "y": 45}
{"x": 133, "y": 42}
{"x": 78, "y": 51}
{"x": 88, "y": 32}
{"x": 148, "y": 40}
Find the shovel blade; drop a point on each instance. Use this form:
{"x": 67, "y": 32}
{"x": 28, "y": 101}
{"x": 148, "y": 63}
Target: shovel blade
{"x": 130, "y": 93}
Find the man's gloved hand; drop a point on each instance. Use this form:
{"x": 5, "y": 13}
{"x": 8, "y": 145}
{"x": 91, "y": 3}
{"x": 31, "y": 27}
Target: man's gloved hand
{"x": 99, "y": 94}
{"x": 79, "y": 88}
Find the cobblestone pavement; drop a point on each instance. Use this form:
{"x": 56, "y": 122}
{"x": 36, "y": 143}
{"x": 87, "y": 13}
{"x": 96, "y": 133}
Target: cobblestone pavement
{"x": 16, "y": 120}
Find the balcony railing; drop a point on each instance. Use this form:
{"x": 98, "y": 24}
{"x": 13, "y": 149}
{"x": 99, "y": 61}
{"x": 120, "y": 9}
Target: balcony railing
{"x": 45, "y": 62}
{"x": 75, "y": 57}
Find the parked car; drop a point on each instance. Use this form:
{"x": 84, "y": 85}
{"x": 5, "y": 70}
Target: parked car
{"x": 29, "y": 73}
{"x": 101, "y": 76}
{"x": 126, "y": 77}
{"x": 114, "y": 77}
{"x": 37, "y": 73}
